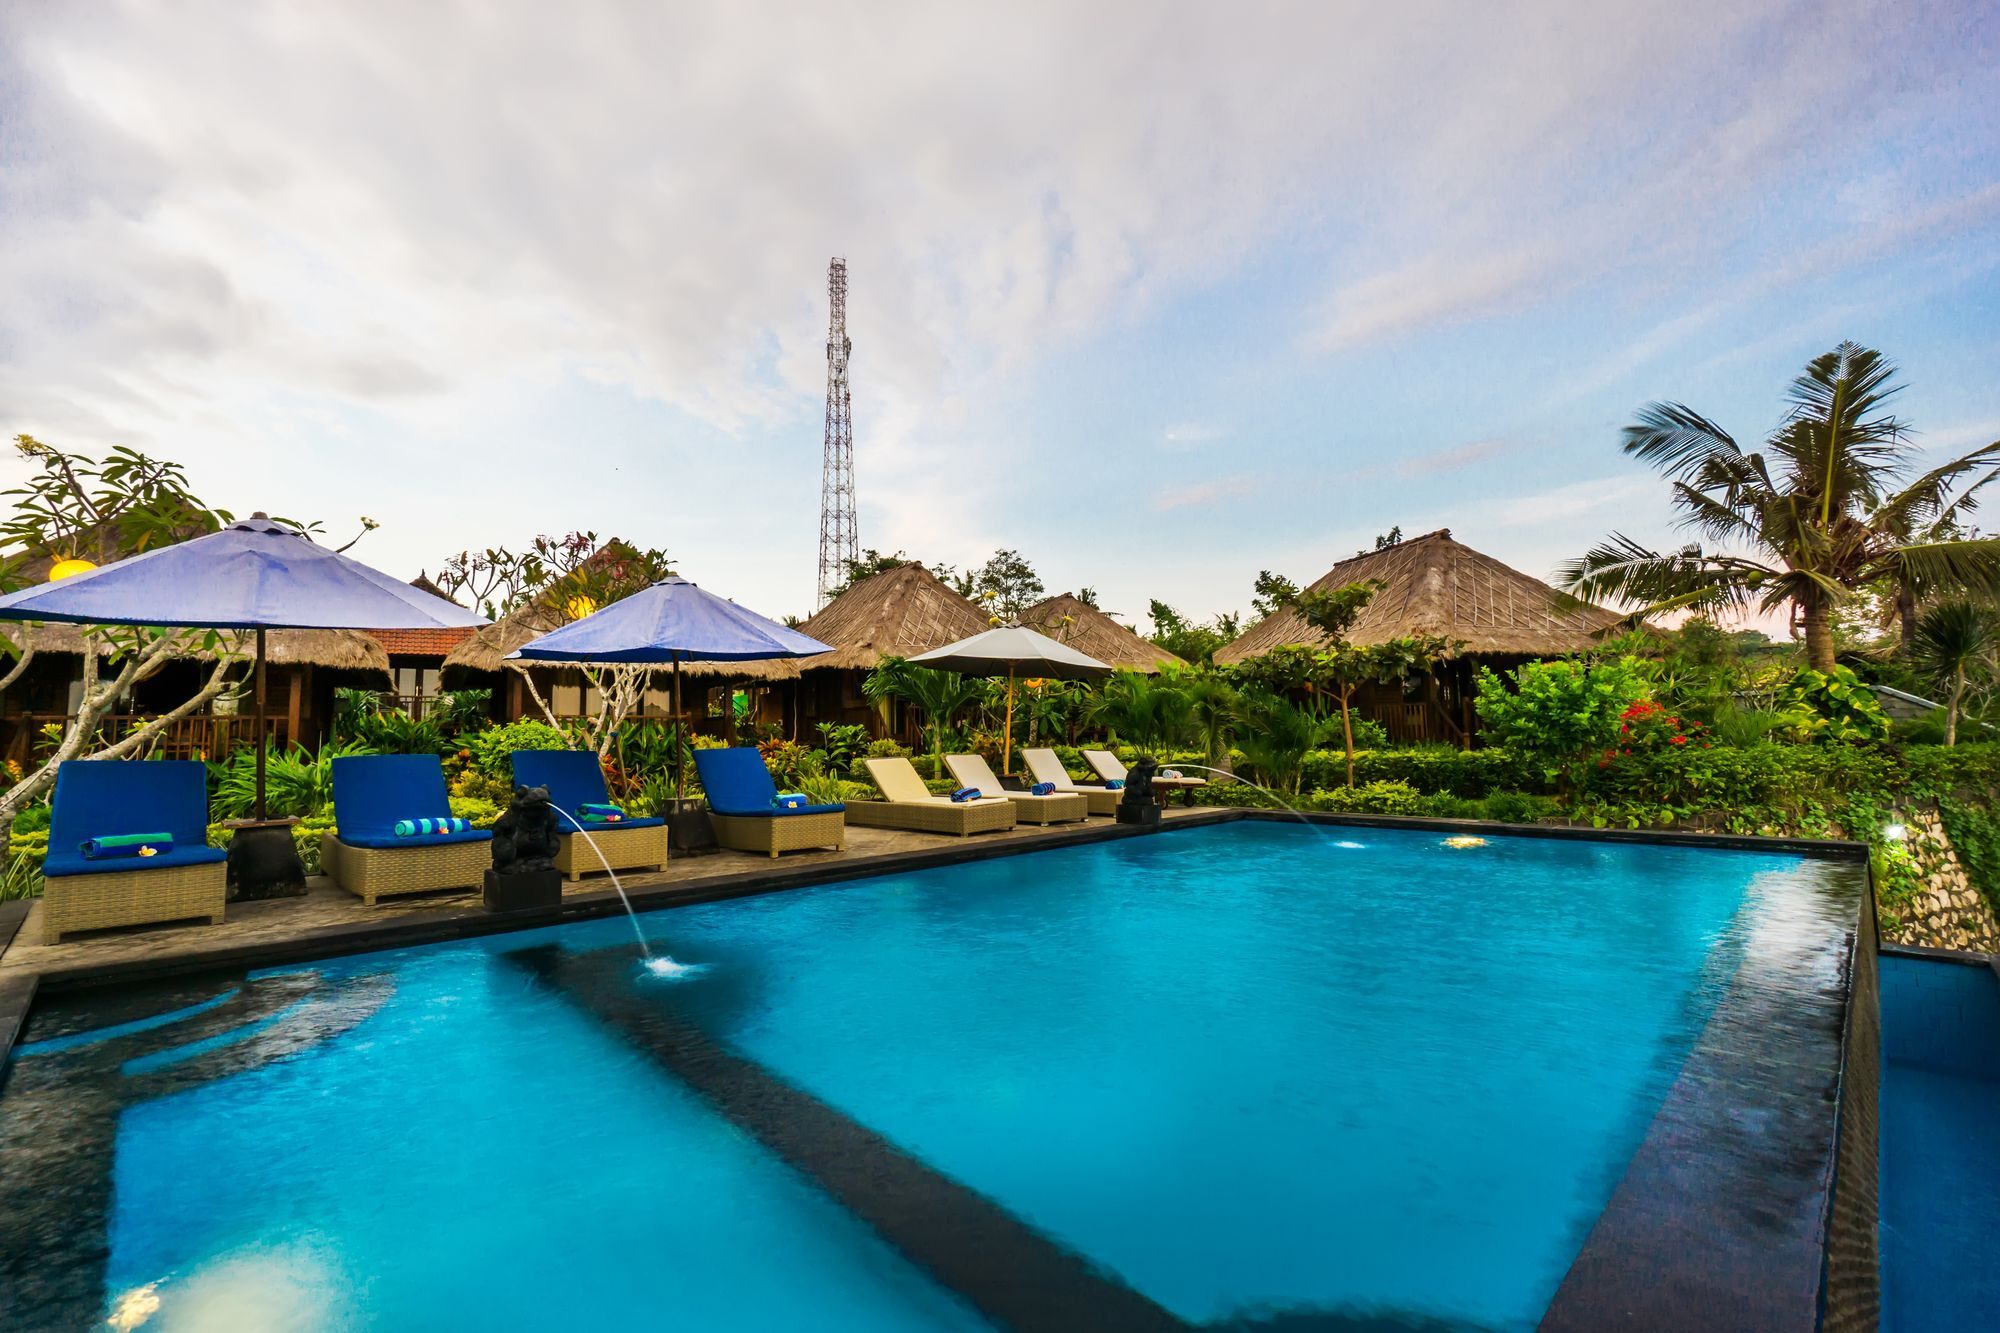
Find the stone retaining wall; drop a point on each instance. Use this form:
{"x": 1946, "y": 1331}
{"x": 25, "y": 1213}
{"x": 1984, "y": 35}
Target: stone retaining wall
{"x": 1950, "y": 913}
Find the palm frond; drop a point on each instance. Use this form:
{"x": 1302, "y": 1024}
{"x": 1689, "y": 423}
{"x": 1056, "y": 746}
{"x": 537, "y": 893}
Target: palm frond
{"x": 1928, "y": 499}
{"x": 1968, "y": 567}
{"x": 1714, "y": 518}
{"x": 1677, "y": 440}
{"x": 1621, "y": 569}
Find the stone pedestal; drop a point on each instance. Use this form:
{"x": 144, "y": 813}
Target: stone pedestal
{"x": 1137, "y": 805}
{"x": 523, "y": 890}
{"x": 264, "y": 861}
{"x": 688, "y": 829}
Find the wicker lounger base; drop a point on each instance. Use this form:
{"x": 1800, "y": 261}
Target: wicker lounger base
{"x": 133, "y": 898}
{"x": 624, "y": 848}
{"x": 1100, "y": 801}
{"x": 933, "y": 816}
{"x": 771, "y": 834}
{"x": 1061, "y": 808}
{"x": 370, "y": 873}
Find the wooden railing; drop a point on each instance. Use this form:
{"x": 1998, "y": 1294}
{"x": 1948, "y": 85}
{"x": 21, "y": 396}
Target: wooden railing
{"x": 202, "y": 736}
{"x": 1415, "y": 723}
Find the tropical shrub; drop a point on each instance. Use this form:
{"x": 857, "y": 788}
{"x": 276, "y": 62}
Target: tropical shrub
{"x": 21, "y": 874}
{"x": 492, "y": 749}
{"x": 785, "y": 759}
{"x": 33, "y": 818}
{"x": 1274, "y": 735}
{"x": 1559, "y": 716}
{"x": 479, "y": 811}
{"x": 1834, "y": 705}
{"x": 297, "y": 782}
{"x": 1374, "y": 798}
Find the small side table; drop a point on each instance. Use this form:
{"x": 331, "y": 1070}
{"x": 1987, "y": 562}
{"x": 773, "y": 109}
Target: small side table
{"x": 264, "y": 861}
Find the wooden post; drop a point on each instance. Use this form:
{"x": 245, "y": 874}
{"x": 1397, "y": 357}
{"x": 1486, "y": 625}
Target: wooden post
{"x": 295, "y": 703}
{"x": 1007, "y": 731}
{"x": 262, "y": 703}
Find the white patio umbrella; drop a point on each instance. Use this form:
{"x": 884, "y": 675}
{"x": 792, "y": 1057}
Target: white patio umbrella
{"x": 1012, "y": 650}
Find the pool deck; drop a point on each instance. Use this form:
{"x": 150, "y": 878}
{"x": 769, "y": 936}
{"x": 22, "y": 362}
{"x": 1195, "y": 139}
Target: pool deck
{"x": 328, "y": 920}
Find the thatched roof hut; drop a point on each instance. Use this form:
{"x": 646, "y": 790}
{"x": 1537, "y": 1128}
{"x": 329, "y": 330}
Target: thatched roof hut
{"x": 486, "y": 649}
{"x": 342, "y": 650}
{"x": 898, "y": 613}
{"x": 1435, "y": 585}
{"x": 1069, "y": 620}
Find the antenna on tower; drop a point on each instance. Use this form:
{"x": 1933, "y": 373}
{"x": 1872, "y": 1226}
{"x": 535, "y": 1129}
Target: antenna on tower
{"x": 839, "y": 541}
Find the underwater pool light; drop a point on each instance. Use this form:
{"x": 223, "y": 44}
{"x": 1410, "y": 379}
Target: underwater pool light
{"x": 135, "y": 1307}
{"x": 1464, "y": 840}
{"x": 1351, "y": 846}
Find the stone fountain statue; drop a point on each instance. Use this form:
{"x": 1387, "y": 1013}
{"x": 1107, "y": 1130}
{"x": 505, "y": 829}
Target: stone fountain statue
{"x": 1137, "y": 805}
{"x": 525, "y": 844}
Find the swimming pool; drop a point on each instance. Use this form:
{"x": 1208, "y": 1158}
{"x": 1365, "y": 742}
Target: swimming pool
{"x": 1940, "y": 1158}
{"x": 1236, "y": 1075}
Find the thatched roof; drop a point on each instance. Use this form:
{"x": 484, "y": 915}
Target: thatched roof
{"x": 898, "y": 613}
{"x": 1079, "y": 625}
{"x": 1434, "y": 585}
{"x": 486, "y": 648}
{"x": 330, "y": 649}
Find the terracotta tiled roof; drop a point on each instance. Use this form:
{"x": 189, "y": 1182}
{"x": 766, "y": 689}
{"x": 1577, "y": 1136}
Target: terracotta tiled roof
{"x": 422, "y": 642}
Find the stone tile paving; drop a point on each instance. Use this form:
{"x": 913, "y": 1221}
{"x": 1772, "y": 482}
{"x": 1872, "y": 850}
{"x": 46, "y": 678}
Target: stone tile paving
{"x": 326, "y": 906}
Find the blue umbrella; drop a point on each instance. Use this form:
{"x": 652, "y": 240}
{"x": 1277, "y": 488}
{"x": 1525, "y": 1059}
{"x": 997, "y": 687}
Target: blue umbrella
{"x": 671, "y": 622}
{"x": 255, "y": 575}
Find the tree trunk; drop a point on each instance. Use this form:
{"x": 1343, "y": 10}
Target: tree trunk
{"x": 1906, "y": 616}
{"x": 1952, "y": 706}
{"x": 1347, "y": 734}
{"x": 1817, "y": 617}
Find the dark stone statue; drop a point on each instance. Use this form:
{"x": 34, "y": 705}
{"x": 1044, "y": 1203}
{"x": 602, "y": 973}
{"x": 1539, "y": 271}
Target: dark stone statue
{"x": 524, "y": 838}
{"x": 1137, "y": 805}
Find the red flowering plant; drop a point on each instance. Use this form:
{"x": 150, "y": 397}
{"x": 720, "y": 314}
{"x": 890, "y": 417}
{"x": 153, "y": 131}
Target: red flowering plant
{"x": 1649, "y": 759}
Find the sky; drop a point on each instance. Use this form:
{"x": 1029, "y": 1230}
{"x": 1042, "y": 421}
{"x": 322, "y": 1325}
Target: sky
{"x": 1159, "y": 294}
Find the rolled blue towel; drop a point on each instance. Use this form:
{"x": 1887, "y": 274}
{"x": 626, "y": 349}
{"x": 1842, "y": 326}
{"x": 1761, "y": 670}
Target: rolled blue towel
{"x": 1042, "y": 789}
{"x": 599, "y": 814}
{"x": 1114, "y": 784}
{"x": 790, "y": 800}
{"x": 964, "y": 794}
{"x": 420, "y": 828}
{"x": 120, "y": 845}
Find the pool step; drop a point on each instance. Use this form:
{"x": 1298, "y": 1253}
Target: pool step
{"x": 1005, "y": 1268}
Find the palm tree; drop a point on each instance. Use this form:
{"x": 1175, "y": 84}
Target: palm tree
{"x": 938, "y": 695}
{"x": 1149, "y": 713}
{"x": 1818, "y": 515}
{"x": 1957, "y": 641}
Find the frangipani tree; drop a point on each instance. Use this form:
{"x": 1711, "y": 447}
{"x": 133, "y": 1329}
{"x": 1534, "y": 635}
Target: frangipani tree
{"x": 80, "y": 512}
{"x": 1831, "y": 506}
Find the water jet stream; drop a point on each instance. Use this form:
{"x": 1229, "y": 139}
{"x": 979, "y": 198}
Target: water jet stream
{"x": 660, "y": 965}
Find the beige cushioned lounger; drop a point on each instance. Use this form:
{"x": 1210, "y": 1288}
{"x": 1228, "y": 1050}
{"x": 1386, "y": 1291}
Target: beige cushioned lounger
{"x": 1047, "y": 768}
{"x": 909, "y": 805}
{"x": 1057, "y": 808}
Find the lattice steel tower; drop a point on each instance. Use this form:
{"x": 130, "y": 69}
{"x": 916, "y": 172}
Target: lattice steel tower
{"x": 839, "y": 542}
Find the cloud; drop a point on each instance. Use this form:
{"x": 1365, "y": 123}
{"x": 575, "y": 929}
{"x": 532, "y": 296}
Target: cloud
{"x": 305, "y": 249}
{"x": 1201, "y": 493}
{"x": 1569, "y": 501}
{"x": 1451, "y": 460}
{"x": 1190, "y": 433}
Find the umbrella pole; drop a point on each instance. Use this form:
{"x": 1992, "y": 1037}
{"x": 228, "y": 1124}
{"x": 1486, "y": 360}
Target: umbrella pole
{"x": 1007, "y": 738}
{"x": 261, "y": 703}
{"x": 680, "y": 758}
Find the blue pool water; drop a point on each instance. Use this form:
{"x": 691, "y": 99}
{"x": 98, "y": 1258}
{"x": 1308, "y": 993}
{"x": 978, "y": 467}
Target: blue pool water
{"x": 1240, "y": 1070}
{"x": 1940, "y": 1148}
